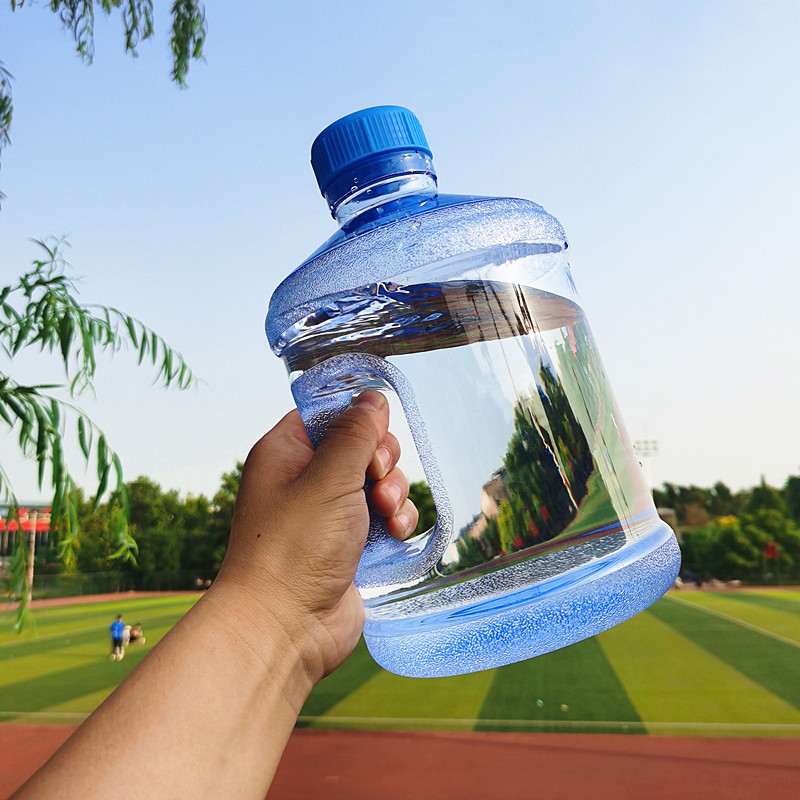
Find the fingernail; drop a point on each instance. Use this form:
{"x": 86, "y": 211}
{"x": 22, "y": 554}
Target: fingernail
{"x": 405, "y": 521}
{"x": 395, "y": 493}
{"x": 371, "y": 400}
{"x": 384, "y": 459}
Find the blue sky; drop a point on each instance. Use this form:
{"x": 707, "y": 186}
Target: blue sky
{"x": 662, "y": 135}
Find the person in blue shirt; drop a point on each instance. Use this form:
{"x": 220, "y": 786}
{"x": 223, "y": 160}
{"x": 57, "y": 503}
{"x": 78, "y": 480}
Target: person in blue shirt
{"x": 117, "y": 650}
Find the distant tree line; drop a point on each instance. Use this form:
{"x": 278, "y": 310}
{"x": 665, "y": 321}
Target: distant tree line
{"x": 180, "y": 541}
{"x": 751, "y": 535}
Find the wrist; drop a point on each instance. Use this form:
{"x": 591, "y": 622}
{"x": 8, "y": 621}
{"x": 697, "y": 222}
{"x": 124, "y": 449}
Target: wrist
{"x": 260, "y": 640}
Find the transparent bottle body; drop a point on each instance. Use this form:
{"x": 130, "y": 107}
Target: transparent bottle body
{"x": 538, "y": 491}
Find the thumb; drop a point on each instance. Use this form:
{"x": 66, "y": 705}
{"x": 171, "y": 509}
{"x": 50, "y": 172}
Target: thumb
{"x": 349, "y": 444}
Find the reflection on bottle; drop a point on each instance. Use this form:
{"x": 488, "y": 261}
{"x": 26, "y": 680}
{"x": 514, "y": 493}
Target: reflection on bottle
{"x": 520, "y": 418}
{"x": 537, "y": 495}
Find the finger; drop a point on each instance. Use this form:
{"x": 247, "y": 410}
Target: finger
{"x": 349, "y": 444}
{"x": 386, "y": 457}
{"x": 388, "y": 495}
{"x": 280, "y": 455}
{"x": 402, "y": 524}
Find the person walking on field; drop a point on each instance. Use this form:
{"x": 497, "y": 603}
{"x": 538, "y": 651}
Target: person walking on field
{"x": 117, "y": 628}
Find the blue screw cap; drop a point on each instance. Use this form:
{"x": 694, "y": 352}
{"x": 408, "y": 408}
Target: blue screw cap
{"x": 359, "y": 137}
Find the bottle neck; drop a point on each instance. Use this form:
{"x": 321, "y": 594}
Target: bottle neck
{"x": 384, "y": 193}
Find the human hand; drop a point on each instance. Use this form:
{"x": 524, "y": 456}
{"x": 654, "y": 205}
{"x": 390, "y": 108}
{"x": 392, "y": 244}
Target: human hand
{"x": 282, "y": 613}
{"x": 300, "y": 524}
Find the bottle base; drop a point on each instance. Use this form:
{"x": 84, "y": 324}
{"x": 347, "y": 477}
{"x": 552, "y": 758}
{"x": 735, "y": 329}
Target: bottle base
{"x": 525, "y": 628}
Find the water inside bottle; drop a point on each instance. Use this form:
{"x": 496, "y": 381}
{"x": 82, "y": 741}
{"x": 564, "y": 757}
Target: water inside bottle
{"x": 520, "y": 420}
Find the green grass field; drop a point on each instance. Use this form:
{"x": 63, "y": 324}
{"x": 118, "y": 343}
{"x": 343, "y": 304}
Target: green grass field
{"x": 710, "y": 663}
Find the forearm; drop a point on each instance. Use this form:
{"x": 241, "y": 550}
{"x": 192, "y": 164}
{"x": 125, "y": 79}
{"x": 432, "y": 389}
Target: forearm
{"x": 206, "y": 714}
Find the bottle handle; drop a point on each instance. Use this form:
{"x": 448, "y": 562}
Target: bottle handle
{"x": 325, "y": 391}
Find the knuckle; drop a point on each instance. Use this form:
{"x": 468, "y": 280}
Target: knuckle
{"x": 358, "y": 427}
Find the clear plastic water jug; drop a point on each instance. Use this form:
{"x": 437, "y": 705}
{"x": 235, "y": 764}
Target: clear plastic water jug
{"x": 464, "y": 307}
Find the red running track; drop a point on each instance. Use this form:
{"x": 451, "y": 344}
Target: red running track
{"x": 366, "y": 765}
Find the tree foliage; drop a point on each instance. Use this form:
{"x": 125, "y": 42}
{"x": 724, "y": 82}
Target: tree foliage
{"x": 6, "y": 109}
{"x": 180, "y": 540}
{"x": 420, "y": 496}
{"x": 41, "y": 311}
{"x": 752, "y": 535}
{"x": 187, "y": 38}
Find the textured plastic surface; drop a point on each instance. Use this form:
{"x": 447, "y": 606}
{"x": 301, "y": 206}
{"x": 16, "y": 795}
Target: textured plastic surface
{"x": 385, "y": 560}
{"x": 524, "y": 626}
{"x": 425, "y": 240}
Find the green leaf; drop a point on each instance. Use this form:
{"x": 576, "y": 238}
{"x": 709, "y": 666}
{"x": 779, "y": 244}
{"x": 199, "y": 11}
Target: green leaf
{"x": 57, "y": 502}
{"x": 143, "y": 348}
{"x": 84, "y": 437}
{"x": 65, "y": 330}
{"x": 55, "y": 415}
{"x": 102, "y": 458}
{"x": 129, "y": 323}
{"x": 102, "y": 484}
{"x": 3, "y": 413}
{"x": 118, "y": 469}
